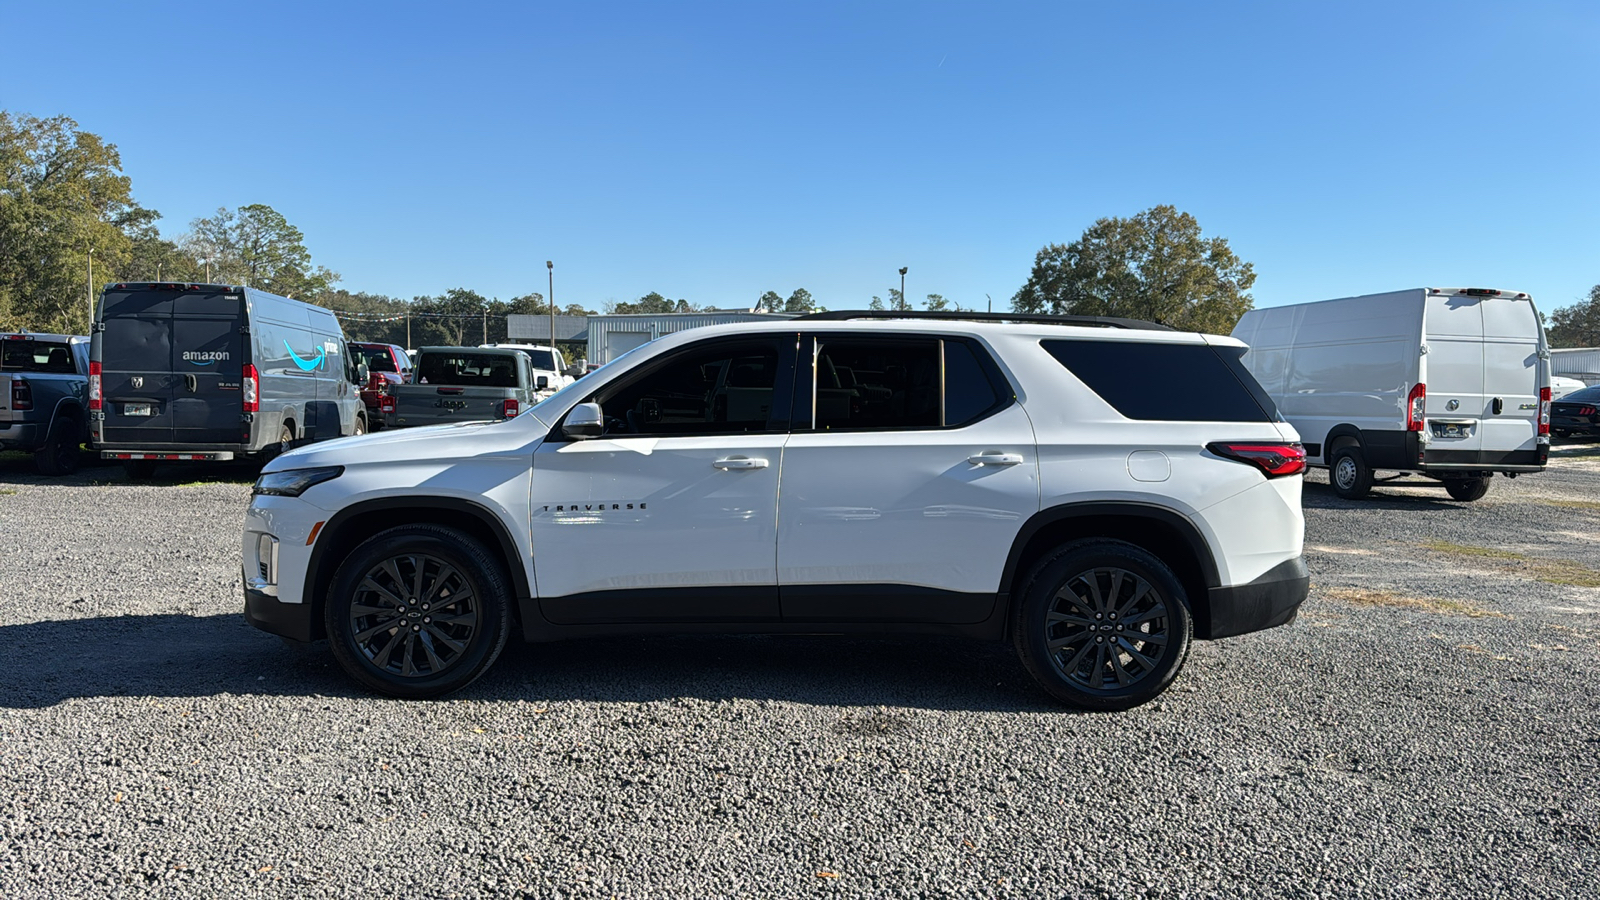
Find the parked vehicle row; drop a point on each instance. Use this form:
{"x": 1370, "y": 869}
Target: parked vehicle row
{"x": 462, "y": 384}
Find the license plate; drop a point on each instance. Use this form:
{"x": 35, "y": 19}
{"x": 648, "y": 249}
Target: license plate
{"x": 138, "y": 409}
{"x": 1451, "y": 429}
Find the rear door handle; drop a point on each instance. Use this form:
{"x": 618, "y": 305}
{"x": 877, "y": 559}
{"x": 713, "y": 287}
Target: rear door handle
{"x": 996, "y": 459}
{"x": 740, "y": 462}
{"x": 192, "y": 382}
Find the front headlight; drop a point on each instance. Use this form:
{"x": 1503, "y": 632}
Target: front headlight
{"x": 293, "y": 482}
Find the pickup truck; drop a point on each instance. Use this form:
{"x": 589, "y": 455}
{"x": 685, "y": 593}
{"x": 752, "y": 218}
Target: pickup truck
{"x": 387, "y": 366}
{"x": 44, "y": 390}
{"x": 461, "y": 384}
{"x": 550, "y": 370}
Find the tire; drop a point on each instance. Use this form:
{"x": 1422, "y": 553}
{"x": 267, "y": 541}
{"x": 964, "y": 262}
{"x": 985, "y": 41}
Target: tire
{"x": 59, "y": 455}
{"x": 1068, "y": 609}
{"x": 366, "y": 629}
{"x": 139, "y": 469}
{"x": 1349, "y": 474}
{"x": 360, "y": 427}
{"x": 284, "y": 444}
{"x": 1467, "y": 489}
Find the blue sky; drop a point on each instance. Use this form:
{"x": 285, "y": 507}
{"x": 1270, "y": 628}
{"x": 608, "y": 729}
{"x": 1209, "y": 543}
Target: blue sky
{"x": 714, "y": 151}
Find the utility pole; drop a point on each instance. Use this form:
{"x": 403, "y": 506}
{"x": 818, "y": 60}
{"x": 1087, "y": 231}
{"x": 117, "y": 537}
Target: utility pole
{"x": 486, "y": 324}
{"x": 903, "y": 287}
{"x": 550, "y": 298}
{"x": 408, "y": 331}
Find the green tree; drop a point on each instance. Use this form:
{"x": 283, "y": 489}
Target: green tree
{"x": 937, "y": 303}
{"x": 62, "y": 192}
{"x": 1154, "y": 266}
{"x": 1577, "y": 325}
{"x": 769, "y": 302}
{"x": 256, "y": 246}
{"x": 652, "y": 302}
{"x": 875, "y": 303}
{"x": 799, "y": 302}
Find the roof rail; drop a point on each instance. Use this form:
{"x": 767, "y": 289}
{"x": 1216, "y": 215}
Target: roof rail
{"x": 841, "y": 315}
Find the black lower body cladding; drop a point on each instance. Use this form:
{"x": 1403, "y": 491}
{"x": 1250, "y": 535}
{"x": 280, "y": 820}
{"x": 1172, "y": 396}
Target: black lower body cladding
{"x": 290, "y": 620}
{"x": 1267, "y": 602}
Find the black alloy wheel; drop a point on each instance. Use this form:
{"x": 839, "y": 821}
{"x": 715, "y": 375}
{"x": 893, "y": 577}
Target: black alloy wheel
{"x": 59, "y": 455}
{"x": 418, "y": 611}
{"x": 1103, "y": 625}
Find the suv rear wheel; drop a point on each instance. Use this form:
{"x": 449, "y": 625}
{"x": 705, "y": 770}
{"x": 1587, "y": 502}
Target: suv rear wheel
{"x": 1103, "y": 625}
{"x": 418, "y": 611}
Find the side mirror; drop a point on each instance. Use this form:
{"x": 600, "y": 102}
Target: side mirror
{"x": 362, "y": 373}
{"x": 585, "y": 421}
{"x": 542, "y": 382}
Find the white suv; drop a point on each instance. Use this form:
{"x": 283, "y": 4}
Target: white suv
{"x": 1099, "y": 492}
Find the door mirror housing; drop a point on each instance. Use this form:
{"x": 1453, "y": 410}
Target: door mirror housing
{"x": 585, "y": 421}
{"x": 362, "y": 373}
{"x": 542, "y": 382}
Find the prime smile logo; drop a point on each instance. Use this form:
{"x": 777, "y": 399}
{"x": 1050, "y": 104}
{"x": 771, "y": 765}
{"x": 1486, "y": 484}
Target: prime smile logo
{"x": 310, "y": 365}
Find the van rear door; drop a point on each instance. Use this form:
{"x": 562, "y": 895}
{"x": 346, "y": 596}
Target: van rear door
{"x": 1453, "y": 334}
{"x": 1511, "y": 374}
{"x": 208, "y": 358}
{"x": 135, "y": 352}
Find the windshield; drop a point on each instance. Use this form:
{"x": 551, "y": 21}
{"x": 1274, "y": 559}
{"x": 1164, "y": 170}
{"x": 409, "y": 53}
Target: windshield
{"x": 540, "y": 359}
{"x": 35, "y": 356}
{"x": 379, "y": 360}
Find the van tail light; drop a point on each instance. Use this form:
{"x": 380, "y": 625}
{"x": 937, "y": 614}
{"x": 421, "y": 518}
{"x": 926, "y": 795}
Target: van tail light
{"x": 21, "y": 393}
{"x": 1544, "y": 410}
{"x": 95, "y": 398}
{"x": 1274, "y": 459}
{"x": 1415, "y": 401}
{"x": 252, "y": 389}
{"x": 510, "y": 408}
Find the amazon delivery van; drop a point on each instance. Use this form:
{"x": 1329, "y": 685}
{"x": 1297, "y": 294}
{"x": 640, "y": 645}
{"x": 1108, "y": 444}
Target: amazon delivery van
{"x": 185, "y": 372}
{"x": 1449, "y": 383}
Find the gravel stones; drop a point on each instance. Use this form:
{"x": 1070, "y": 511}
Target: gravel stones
{"x": 1389, "y": 743}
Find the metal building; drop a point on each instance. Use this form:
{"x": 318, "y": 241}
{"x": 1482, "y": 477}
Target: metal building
{"x": 531, "y": 329}
{"x": 611, "y": 336}
{"x": 1582, "y": 363}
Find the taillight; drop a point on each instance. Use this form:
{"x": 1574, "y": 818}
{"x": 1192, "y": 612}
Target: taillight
{"x": 251, "y": 389}
{"x": 1585, "y": 410}
{"x": 1415, "y": 401}
{"x": 1544, "y": 410}
{"x": 386, "y": 403}
{"x": 21, "y": 393}
{"x": 94, "y": 386}
{"x": 1273, "y": 459}
{"x": 510, "y": 408}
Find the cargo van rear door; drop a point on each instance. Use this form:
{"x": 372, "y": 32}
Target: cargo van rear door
{"x": 1453, "y": 334}
{"x": 1510, "y": 375}
{"x": 208, "y": 359}
{"x": 136, "y": 368}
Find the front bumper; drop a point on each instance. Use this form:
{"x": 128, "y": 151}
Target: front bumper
{"x": 1267, "y": 602}
{"x": 291, "y": 620}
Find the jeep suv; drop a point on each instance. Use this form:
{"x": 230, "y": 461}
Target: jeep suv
{"x": 1099, "y": 492}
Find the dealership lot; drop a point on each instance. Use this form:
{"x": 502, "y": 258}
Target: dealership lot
{"x": 1429, "y": 726}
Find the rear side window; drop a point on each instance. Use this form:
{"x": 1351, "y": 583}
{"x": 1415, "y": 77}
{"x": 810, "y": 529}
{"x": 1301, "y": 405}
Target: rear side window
{"x": 35, "y": 356}
{"x": 1168, "y": 382}
{"x": 468, "y": 369}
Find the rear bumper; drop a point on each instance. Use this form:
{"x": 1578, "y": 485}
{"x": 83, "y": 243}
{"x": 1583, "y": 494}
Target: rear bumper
{"x": 1267, "y": 602}
{"x": 186, "y": 456}
{"x": 290, "y": 620}
{"x": 20, "y": 435}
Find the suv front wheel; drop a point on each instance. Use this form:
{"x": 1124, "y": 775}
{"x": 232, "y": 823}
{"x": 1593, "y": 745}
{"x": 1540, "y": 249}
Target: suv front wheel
{"x": 1103, "y": 625}
{"x": 418, "y": 611}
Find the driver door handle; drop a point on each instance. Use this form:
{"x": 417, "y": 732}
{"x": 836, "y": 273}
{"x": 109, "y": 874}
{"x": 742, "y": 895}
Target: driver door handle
{"x": 996, "y": 459}
{"x": 739, "y": 462}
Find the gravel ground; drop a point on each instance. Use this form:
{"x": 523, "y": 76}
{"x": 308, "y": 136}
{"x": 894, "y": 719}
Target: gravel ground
{"x": 1428, "y": 727}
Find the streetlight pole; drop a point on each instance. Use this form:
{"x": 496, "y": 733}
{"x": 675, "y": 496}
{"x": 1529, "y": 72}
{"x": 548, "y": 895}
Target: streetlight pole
{"x": 903, "y": 302}
{"x": 91, "y": 287}
{"x": 486, "y": 324}
{"x": 550, "y": 298}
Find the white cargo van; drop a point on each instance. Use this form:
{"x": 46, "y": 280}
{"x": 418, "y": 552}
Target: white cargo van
{"x": 1449, "y": 383}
